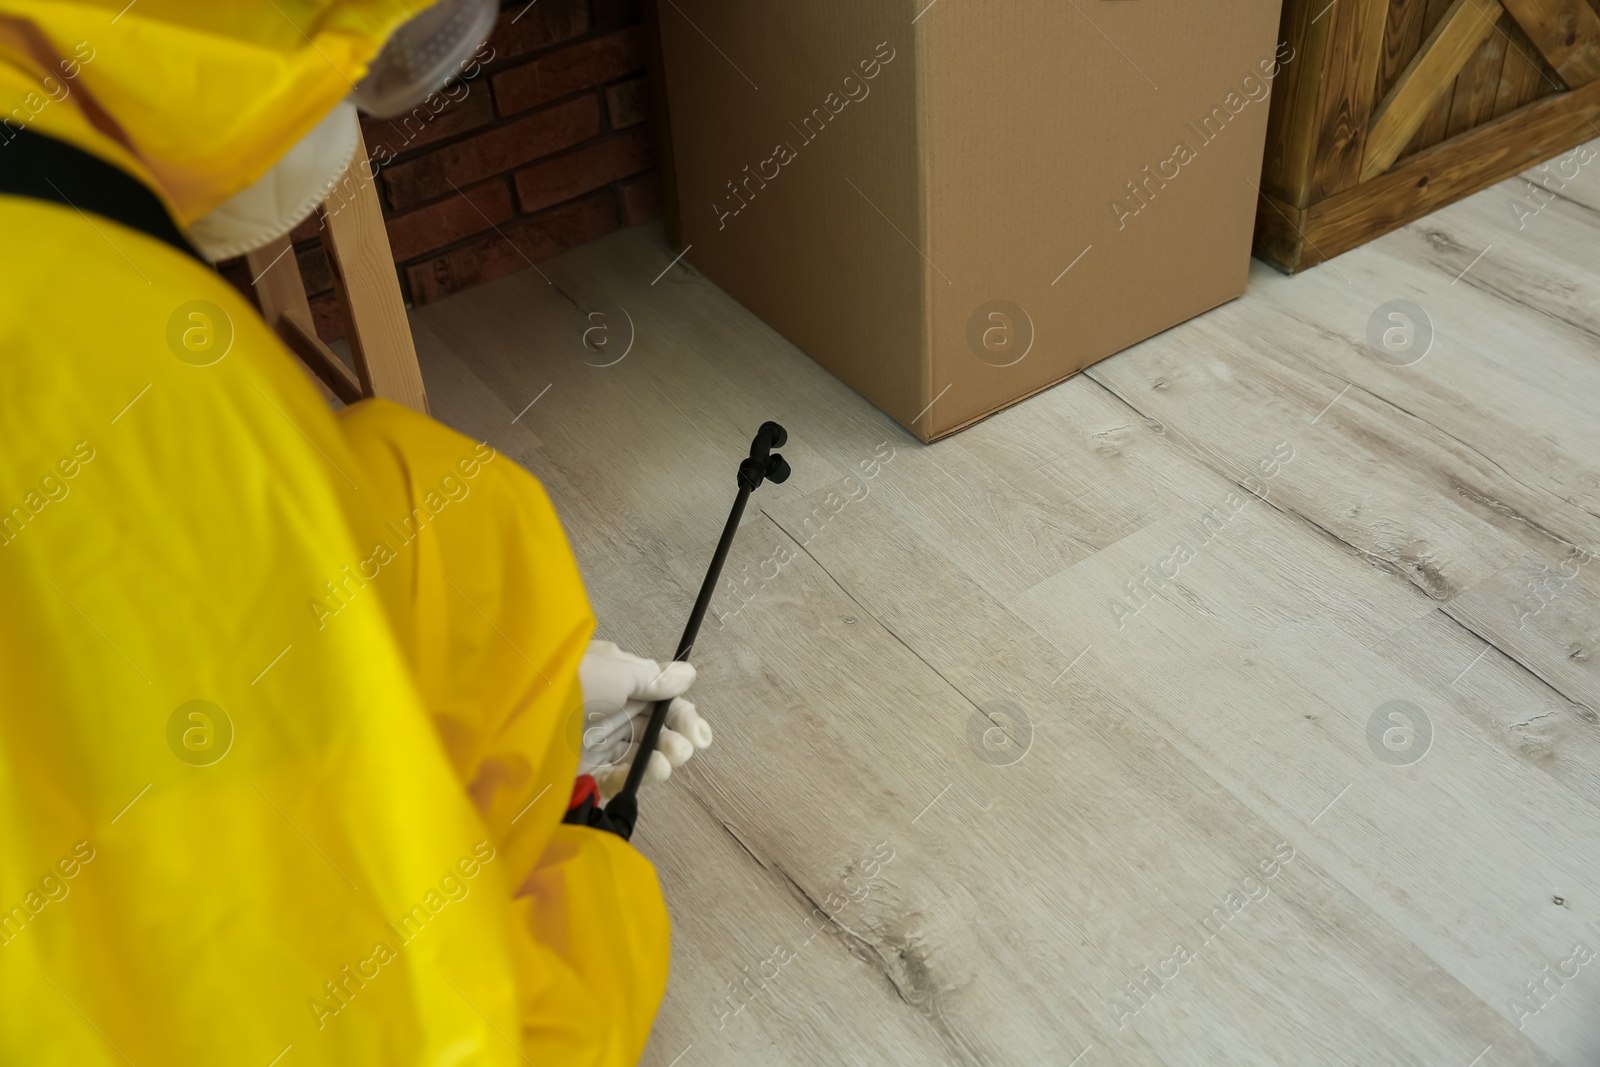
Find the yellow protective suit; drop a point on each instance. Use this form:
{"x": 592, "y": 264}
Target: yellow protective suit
{"x": 288, "y": 700}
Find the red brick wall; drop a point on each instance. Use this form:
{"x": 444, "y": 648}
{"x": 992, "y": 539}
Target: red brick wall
{"x": 546, "y": 145}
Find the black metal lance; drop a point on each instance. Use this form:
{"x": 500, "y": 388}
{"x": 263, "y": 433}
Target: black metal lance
{"x": 762, "y": 464}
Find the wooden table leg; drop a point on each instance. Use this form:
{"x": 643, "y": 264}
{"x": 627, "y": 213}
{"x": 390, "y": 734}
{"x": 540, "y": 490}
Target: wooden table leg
{"x": 367, "y": 286}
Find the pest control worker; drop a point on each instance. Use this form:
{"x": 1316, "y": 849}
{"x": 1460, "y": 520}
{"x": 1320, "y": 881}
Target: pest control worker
{"x": 290, "y": 705}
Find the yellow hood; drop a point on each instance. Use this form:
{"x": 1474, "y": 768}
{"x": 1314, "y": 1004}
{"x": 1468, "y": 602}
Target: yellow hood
{"x": 197, "y": 99}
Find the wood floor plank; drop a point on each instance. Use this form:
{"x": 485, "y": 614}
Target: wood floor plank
{"x": 1451, "y": 519}
{"x": 1092, "y": 717}
{"x": 881, "y": 637}
{"x": 1409, "y": 494}
{"x": 1464, "y": 387}
{"x": 756, "y": 977}
{"x": 1276, "y": 704}
{"x": 1534, "y": 722}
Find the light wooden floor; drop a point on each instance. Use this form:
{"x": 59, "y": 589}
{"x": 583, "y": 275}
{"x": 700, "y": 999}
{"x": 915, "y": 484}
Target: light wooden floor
{"x": 964, "y": 809}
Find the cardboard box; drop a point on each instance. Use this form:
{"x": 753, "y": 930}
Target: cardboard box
{"x": 954, "y": 205}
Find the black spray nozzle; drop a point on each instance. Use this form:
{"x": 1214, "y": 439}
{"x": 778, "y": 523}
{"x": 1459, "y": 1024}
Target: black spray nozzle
{"x": 771, "y": 435}
{"x": 763, "y": 463}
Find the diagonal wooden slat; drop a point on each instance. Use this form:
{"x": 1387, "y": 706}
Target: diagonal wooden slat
{"x": 1434, "y": 124}
{"x": 1348, "y": 87}
{"x": 329, "y": 368}
{"x": 1567, "y": 34}
{"x": 1464, "y": 27}
{"x": 1440, "y": 175}
{"x": 275, "y": 274}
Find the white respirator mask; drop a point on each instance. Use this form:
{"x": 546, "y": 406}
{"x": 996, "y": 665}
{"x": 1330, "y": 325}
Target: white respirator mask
{"x": 417, "y": 61}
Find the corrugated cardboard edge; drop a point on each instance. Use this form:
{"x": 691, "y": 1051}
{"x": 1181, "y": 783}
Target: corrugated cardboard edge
{"x": 924, "y": 125}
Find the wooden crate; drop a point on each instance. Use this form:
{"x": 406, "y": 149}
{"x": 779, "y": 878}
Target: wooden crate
{"x": 1390, "y": 109}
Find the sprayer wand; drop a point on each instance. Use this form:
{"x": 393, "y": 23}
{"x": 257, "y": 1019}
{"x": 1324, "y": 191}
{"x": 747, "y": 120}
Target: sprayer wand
{"x": 762, "y": 464}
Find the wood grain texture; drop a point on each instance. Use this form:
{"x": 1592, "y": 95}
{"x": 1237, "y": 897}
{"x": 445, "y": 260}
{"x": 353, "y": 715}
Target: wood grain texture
{"x": 1277, "y": 238}
{"x": 1291, "y": 118}
{"x": 1463, "y": 30}
{"x": 275, "y": 275}
{"x": 1479, "y": 81}
{"x": 1402, "y": 36}
{"x": 367, "y": 286}
{"x": 1567, "y": 32}
{"x": 1432, "y": 129}
{"x": 1445, "y": 173}
{"x": 1428, "y": 82}
{"x": 1347, "y": 93}
{"x": 1070, "y": 790}
{"x": 1523, "y": 78}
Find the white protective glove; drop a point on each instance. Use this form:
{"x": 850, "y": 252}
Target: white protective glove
{"x": 619, "y": 692}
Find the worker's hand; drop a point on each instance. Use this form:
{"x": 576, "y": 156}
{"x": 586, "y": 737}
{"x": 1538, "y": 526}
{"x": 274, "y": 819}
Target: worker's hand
{"x": 619, "y": 692}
